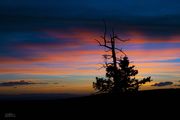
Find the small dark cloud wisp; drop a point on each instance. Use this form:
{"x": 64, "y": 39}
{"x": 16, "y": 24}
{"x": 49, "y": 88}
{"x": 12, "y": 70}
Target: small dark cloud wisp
{"x": 18, "y": 83}
{"x": 161, "y": 84}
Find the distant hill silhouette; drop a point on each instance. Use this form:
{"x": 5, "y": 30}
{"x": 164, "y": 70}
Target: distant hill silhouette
{"x": 148, "y": 103}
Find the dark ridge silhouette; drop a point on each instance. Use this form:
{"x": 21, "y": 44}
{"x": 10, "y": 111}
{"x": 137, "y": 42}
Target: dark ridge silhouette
{"x": 120, "y": 76}
{"x": 42, "y": 96}
{"x": 148, "y": 103}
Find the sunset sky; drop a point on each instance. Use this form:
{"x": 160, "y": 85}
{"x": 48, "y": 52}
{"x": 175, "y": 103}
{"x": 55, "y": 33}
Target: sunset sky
{"x": 48, "y": 46}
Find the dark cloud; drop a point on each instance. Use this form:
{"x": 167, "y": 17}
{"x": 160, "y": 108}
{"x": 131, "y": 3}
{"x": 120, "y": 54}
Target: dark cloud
{"x": 161, "y": 84}
{"x": 89, "y": 8}
{"x": 13, "y": 44}
{"x": 146, "y": 16}
{"x": 23, "y": 22}
{"x": 18, "y": 83}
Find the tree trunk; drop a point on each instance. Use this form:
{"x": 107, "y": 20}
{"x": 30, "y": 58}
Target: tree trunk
{"x": 115, "y": 88}
{"x": 114, "y": 55}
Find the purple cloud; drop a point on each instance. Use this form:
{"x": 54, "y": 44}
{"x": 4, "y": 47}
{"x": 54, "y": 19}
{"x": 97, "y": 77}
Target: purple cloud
{"x": 18, "y": 83}
{"x": 161, "y": 84}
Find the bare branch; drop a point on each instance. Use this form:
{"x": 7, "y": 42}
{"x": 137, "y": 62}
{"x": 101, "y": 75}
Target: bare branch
{"x": 102, "y": 37}
{"x": 107, "y": 56}
{"x": 121, "y": 51}
{"x": 122, "y": 40}
{"x": 103, "y": 45}
{"x": 105, "y": 32}
{"x": 101, "y": 67}
{"x": 106, "y": 46}
{"x": 98, "y": 42}
{"x": 110, "y": 47}
{"x": 113, "y": 33}
{"x": 107, "y": 50}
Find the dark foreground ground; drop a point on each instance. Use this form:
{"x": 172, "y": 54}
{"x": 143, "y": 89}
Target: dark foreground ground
{"x": 145, "y": 104}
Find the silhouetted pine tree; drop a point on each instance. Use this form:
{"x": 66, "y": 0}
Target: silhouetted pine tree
{"x": 120, "y": 76}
